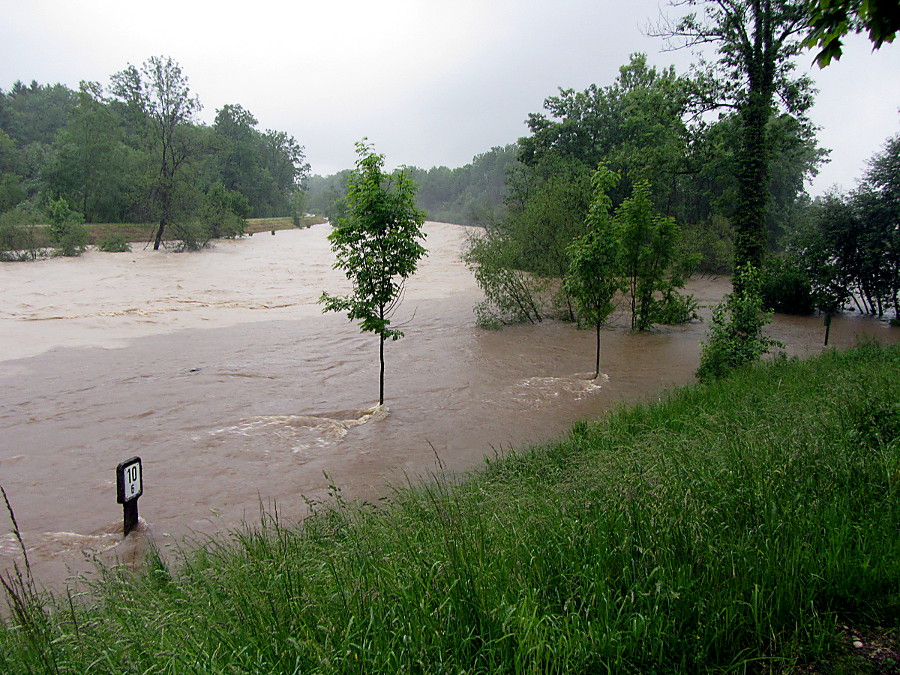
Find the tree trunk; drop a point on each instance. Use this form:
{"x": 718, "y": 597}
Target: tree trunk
{"x": 753, "y": 180}
{"x": 597, "y": 362}
{"x": 381, "y": 359}
{"x": 159, "y": 235}
{"x": 381, "y": 375}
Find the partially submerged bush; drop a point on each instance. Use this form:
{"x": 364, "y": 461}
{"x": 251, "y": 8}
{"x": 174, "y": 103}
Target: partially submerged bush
{"x": 67, "y": 230}
{"x": 675, "y": 308}
{"x": 21, "y": 238}
{"x": 510, "y": 295}
{"x": 736, "y": 332}
{"x": 113, "y": 243}
{"x": 785, "y": 287}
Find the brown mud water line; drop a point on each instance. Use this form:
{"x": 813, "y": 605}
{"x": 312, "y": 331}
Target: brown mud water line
{"x": 219, "y": 370}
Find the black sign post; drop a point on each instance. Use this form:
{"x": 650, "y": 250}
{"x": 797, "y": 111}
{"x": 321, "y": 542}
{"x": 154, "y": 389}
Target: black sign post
{"x": 129, "y": 486}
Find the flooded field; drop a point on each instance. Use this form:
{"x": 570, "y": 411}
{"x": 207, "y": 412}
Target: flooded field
{"x": 219, "y": 370}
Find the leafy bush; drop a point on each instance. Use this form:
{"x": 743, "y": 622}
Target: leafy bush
{"x": 224, "y": 215}
{"x": 114, "y": 243}
{"x": 713, "y": 241}
{"x": 20, "y": 237}
{"x": 675, "y": 308}
{"x": 736, "y": 338}
{"x": 510, "y": 295}
{"x": 191, "y": 236}
{"x": 785, "y": 287}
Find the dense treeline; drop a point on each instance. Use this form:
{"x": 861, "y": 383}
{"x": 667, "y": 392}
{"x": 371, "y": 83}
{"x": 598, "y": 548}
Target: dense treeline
{"x": 473, "y": 194}
{"x": 846, "y": 251}
{"x": 132, "y": 151}
{"x": 652, "y": 128}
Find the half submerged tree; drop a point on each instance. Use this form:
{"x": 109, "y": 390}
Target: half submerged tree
{"x": 159, "y": 93}
{"x": 377, "y": 247}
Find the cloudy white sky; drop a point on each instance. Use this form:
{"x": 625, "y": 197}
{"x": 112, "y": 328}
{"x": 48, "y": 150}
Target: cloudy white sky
{"x": 429, "y": 82}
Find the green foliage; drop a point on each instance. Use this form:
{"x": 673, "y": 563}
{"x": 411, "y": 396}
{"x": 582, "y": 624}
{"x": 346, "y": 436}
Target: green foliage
{"x": 298, "y": 201}
{"x": 67, "y": 230}
{"x": 159, "y": 92}
{"x": 849, "y": 246}
{"x": 592, "y": 278}
{"x": 830, "y": 20}
{"x": 785, "y": 286}
{"x": 673, "y": 308}
{"x": 553, "y": 214}
{"x": 634, "y": 125}
{"x": 20, "y": 237}
{"x": 376, "y": 246}
{"x": 472, "y": 194}
{"x": 755, "y": 43}
{"x": 225, "y": 212}
{"x": 711, "y": 242}
{"x": 113, "y": 243}
{"x": 266, "y": 167}
{"x": 736, "y": 337}
{"x": 511, "y": 295}
{"x": 648, "y": 252}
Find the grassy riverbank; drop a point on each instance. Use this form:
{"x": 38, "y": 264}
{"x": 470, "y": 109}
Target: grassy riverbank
{"x": 750, "y": 525}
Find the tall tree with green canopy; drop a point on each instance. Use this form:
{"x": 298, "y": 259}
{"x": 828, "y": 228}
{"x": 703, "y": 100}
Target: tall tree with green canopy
{"x": 377, "y": 247}
{"x": 160, "y": 92}
{"x": 635, "y": 126}
{"x": 755, "y": 41}
{"x": 592, "y": 279}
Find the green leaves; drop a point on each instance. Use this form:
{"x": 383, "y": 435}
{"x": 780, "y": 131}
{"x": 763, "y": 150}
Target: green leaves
{"x": 594, "y": 259}
{"x": 377, "y": 245}
{"x": 648, "y": 242}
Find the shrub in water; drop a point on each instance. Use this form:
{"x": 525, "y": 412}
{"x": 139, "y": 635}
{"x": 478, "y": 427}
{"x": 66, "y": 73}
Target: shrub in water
{"x": 736, "y": 338}
{"x": 67, "y": 230}
{"x": 785, "y": 287}
{"x": 114, "y": 243}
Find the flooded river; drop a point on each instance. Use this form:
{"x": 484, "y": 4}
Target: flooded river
{"x": 219, "y": 370}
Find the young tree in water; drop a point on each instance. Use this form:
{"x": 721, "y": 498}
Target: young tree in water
{"x": 594, "y": 260}
{"x": 648, "y": 243}
{"x": 159, "y": 91}
{"x": 377, "y": 247}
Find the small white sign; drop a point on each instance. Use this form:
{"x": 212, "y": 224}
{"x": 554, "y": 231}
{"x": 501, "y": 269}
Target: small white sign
{"x": 132, "y": 481}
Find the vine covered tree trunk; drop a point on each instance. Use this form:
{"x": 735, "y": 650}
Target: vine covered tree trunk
{"x": 750, "y": 221}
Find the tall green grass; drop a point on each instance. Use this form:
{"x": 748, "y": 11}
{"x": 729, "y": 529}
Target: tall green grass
{"x": 730, "y": 528}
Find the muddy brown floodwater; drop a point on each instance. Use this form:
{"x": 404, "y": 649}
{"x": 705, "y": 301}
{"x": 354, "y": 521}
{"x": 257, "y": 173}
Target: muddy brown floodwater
{"x": 219, "y": 370}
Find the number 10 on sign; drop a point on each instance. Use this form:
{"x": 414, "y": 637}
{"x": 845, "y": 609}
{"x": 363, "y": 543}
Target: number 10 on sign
{"x": 129, "y": 486}
{"x": 129, "y": 480}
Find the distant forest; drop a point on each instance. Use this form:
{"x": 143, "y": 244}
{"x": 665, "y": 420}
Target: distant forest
{"x": 132, "y": 151}
{"x": 474, "y": 194}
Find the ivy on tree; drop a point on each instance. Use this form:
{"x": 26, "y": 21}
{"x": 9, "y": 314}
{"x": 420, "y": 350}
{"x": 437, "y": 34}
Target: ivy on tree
{"x": 755, "y": 41}
{"x": 377, "y": 246}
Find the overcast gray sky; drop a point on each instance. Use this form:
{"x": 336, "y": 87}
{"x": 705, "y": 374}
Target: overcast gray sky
{"x": 429, "y": 82}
